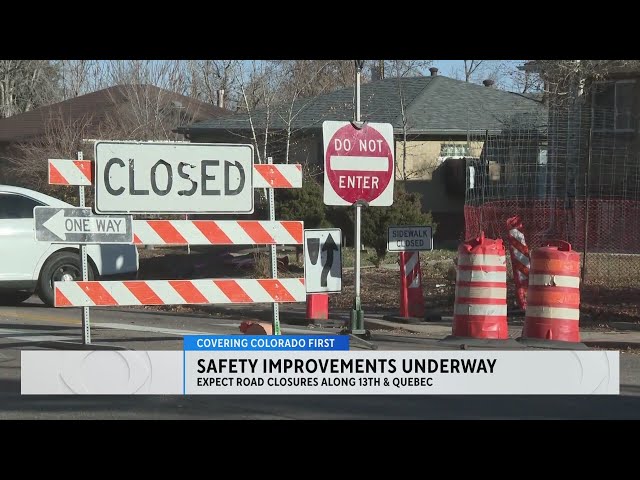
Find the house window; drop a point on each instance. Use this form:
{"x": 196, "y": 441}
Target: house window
{"x": 454, "y": 150}
{"x": 613, "y": 106}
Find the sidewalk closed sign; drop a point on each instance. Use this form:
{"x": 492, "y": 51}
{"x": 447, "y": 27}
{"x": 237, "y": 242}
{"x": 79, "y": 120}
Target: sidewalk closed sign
{"x": 409, "y": 239}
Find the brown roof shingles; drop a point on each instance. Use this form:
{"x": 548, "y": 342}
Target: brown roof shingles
{"x": 96, "y": 105}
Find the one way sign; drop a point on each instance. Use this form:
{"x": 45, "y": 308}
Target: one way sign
{"x": 323, "y": 260}
{"x": 78, "y": 225}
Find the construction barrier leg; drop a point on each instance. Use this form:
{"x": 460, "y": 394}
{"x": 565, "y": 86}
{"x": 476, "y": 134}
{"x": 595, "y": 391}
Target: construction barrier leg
{"x": 404, "y": 292}
{"x": 317, "y": 306}
{"x": 413, "y": 275}
{"x": 520, "y": 261}
{"x": 412, "y": 306}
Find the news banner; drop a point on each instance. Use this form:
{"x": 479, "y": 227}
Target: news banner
{"x": 315, "y": 365}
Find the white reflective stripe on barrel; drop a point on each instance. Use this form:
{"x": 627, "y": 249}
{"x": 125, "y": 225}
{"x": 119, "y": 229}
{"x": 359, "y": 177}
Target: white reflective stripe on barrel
{"x": 480, "y": 276}
{"x": 557, "y": 313}
{"x": 481, "y": 292}
{"x": 476, "y": 309}
{"x": 554, "y": 280}
{"x": 481, "y": 259}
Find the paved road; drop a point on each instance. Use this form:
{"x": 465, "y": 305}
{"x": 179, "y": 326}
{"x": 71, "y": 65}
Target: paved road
{"x": 36, "y": 327}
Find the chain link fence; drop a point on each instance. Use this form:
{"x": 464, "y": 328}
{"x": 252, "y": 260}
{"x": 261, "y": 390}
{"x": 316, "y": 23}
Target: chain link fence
{"x": 571, "y": 174}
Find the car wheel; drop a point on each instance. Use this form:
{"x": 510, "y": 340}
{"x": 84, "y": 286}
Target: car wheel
{"x": 60, "y": 267}
{"x": 14, "y": 298}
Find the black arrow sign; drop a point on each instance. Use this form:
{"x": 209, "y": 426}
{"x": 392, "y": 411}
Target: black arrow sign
{"x": 329, "y": 246}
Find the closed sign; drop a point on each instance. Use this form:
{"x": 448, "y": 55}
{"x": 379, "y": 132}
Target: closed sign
{"x": 134, "y": 177}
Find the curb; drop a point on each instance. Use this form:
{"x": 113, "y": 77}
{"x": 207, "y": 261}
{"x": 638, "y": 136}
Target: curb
{"x": 612, "y": 345}
{"x": 551, "y": 344}
{"x": 62, "y": 345}
{"x": 372, "y": 324}
{"x": 635, "y": 327}
{"x": 326, "y": 323}
{"x": 464, "y": 342}
{"x": 399, "y": 319}
{"x": 434, "y": 316}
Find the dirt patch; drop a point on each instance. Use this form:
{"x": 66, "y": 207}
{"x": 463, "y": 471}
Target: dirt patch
{"x": 606, "y": 305}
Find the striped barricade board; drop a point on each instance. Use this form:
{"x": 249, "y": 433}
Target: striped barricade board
{"x": 178, "y": 292}
{"x": 70, "y": 172}
{"x": 80, "y": 173}
{"x": 217, "y": 232}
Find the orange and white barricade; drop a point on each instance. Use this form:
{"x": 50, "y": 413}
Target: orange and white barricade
{"x": 520, "y": 261}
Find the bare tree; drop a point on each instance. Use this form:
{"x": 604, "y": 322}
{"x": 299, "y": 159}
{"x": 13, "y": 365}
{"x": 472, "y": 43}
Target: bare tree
{"x": 147, "y": 97}
{"x": 403, "y": 113}
{"x": 509, "y": 75}
{"x": 307, "y": 79}
{"x": 27, "y": 84}
{"x": 562, "y": 77}
{"x": 208, "y": 77}
{"x": 310, "y": 78}
{"x": 62, "y": 139}
{"x": 171, "y": 75}
{"x": 471, "y": 67}
{"x": 259, "y": 85}
{"x": 79, "y": 77}
{"x": 402, "y": 68}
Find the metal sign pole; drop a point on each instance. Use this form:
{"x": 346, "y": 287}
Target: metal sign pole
{"x": 357, "y": 315}
{"x": 86, "y": 323}
{"x": 274, "y": 258}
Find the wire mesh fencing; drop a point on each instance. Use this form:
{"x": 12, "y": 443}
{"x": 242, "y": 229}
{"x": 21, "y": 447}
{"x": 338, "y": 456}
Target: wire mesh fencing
{"x": 570, "y": 173}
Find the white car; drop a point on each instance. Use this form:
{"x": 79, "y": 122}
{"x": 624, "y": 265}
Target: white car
{"x": 29, "y": 266}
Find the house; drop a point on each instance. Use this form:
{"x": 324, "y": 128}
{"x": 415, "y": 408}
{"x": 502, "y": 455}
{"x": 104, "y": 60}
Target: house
{"x": 141, "y": 112}
{"x": 432, "y": 118}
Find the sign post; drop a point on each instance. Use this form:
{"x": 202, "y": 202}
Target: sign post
{"x": 86, "y": 323}
{"x": 409, "y": 241}
{"x": 358, "y": 171}
{"x": 357, "y": 315}
{"x": 275, "y": 307}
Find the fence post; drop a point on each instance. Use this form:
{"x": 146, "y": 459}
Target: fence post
{"x": 587, "y": 183}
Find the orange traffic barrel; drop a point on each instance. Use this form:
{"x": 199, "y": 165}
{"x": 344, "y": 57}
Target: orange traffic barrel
{"x": 553, "y": 294}
{"x": 480, "y": 309}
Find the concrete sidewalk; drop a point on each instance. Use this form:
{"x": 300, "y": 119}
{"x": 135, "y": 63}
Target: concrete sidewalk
{"x": 612, "y": 339}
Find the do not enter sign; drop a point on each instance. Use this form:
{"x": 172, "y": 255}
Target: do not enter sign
{"x": 358, "y": 163}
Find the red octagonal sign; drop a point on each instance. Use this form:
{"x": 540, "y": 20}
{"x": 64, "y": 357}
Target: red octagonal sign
{"x": 358, "y": 163}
